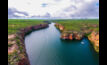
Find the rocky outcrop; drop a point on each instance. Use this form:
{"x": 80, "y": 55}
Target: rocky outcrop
{"x": 94, "y": 38}
{"x": 16, "y": 48}
{"x": 22, "y": 33}
{"x": 12, "y": 49}
{"x": 64, "y": 36}
{"x": 11, "y": 36}
{"x": 72, "y": 35}
{"x": 16, "y": 51}
{"x": 59, "y": 26}
{"x": 78, "y": 35}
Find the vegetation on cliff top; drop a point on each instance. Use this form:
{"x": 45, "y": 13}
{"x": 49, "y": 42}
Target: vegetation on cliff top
{"x": 16, "y": 50}
{"x": 79, "y": 25}
{"x": 15, "y": 24}
{"x": 88, "y": 27}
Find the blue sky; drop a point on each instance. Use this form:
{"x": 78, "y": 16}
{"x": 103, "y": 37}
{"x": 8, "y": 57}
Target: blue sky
{"x": 65, "y": 9}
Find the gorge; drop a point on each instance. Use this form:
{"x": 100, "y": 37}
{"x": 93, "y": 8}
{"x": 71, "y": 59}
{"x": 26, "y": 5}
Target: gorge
{"x": 44, "y": 47}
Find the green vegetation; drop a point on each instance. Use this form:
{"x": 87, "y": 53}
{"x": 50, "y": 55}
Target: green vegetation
{"x": 79, "y": 24}
{"x": 86, "y": 27}
{"x": 16, "y": 24}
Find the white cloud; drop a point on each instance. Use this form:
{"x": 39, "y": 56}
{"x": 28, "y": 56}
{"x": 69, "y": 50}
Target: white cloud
{"x": 55, "y": 8}
{"x": 18, "y": 14}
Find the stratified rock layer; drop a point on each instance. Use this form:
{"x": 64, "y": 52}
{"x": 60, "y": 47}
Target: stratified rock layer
{"x": 71, "y": 35}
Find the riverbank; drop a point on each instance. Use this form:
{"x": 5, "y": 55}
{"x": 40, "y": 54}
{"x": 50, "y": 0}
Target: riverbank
{"x": 49, "y": 49}
{"x": 16, "y": 46}
{"x": 76, "y": 31}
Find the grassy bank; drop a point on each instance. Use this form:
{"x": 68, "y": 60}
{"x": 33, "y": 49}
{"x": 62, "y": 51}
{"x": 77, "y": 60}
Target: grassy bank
{"x": 16, "y": 48}
{"x": 79, "y": 25}
{"x": 15, "y": 24}
{"x": 77, "y": 29}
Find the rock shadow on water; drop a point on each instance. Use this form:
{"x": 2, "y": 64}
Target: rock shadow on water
{"x": 70, "y": 41}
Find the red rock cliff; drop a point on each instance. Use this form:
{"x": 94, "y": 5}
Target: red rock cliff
{"x": 94, "y": 38}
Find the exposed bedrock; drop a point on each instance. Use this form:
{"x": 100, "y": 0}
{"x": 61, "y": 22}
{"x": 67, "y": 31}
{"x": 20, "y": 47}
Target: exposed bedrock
{"x": 71, "y": 35}
{"x": 94, "y": 38}
{"x": 16, "y": 46}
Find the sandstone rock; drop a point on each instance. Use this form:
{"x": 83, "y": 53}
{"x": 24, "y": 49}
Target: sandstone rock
{"x": 94, "y": 38}
{"x": 59, "y": 26}
{"x": 77, "y": 35}
{"x": 21, "y": 51}
{"x": 12, "y": 49}
{"x": 11, "y": 36}
{"x": 65, "y": 36}
{"x": 11, "y": 42}
{"x": 71, "y": 36}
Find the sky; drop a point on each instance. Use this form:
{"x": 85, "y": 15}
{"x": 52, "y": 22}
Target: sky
{"x": 53, "y": 9}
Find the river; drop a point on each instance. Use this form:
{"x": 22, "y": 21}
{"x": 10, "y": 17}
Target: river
{"x": 44, "y": 47}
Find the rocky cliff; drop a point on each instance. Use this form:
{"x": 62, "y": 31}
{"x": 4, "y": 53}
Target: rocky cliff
{"x": 59, "y": 26}
{"x": 94, "y": 38}
{"x": 71, "y": 35}
{"x": 16, "y": 47}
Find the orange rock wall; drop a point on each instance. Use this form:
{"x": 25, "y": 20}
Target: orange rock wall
{"x": 94, "y": 38}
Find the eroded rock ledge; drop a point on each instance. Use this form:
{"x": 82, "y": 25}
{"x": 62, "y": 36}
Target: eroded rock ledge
{"x": 74, "y": 35}
{"x": 94, "y": 38}
{"x": 16, "y": 47}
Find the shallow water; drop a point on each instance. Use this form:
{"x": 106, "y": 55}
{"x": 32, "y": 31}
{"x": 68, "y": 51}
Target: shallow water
{"x": 44, "y": 47}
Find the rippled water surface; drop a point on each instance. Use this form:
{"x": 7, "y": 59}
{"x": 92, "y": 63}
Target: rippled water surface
{"x": 44, "y": 47}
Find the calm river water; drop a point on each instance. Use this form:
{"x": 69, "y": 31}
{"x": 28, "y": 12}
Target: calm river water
{"x": 44, "y": 47}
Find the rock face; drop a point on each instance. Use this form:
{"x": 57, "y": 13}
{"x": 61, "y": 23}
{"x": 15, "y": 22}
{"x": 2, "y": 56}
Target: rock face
{"x": 27, "y": 30}
{"x": 11, "y": 36}
{"x": 59, "y": 26}
{"x": 72, "y": 36}
{"x": 78, "y": 36}
{"x": 22, "y": 34}
{"x": 65, "y": 36}
{"x": 16, "y": 48}
{"x": 12, "y": 49}
{"x": 94, "y": 38}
